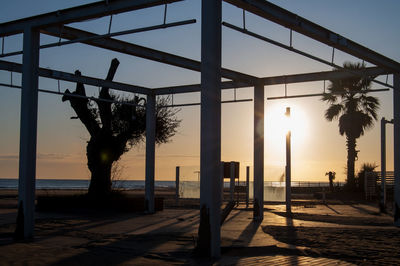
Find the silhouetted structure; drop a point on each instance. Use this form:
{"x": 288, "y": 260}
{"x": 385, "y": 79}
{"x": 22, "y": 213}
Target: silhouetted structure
{"x": 58, "y": 24}
{"x": 355, "y": 110}
{"x": 114, "y": 128}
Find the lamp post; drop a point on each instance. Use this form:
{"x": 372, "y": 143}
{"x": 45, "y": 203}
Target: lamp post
{"x": 288, "y": 167}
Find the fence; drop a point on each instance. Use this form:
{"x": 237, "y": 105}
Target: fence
{"x": 274, "y": 190}
{"x": 389, "y": 178}
{"x": 301, "y": 184}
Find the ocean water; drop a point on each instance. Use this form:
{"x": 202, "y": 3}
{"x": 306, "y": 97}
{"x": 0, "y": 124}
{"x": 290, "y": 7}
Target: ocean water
{"x": 11, "y": 183}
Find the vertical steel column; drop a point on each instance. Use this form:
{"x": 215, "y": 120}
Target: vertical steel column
{"x": 28, "y": 135}
{"x": 177, "y": 183}
{"x": 222, "y": 181}
{"x": 209, "y": 240}
{"x": 382, "y": 206}
{"x": 150, "y": 151}
{"x": 247, "y": 185}
{"x": 232, "y": 181}
{"x": 288, "y": 170}
{"x": 396, "y": 135}
{"x": 258, "y": 152}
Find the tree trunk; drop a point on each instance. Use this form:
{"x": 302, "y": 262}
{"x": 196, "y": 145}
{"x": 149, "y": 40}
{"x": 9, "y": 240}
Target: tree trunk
{"x": 100, "y": 157}
{"x": 351, "y": 158}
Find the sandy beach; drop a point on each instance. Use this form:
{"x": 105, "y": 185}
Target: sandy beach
{"x": 333, "y": 233}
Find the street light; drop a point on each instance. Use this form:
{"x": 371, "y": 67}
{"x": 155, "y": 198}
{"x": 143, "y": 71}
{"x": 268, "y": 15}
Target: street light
{"x": 288, "y": 166}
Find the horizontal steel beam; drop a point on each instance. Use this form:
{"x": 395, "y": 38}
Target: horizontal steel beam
{"x": 75, "y": 95}
{"x": 141, "y": 51}
{"x": 277, "y": 80}
{"x": 119, "y": 102}
{"x": 325, "y": 75}
{"x": 315, "y": 95}
{"x": 301, "y": 25}
{"x": 194, "y": 104}
{"x": 59, "y": 75}
{"x": 296, "y": 78}
{"x": 290, "y": 48}
{"x": 113, "y": 34}
{"x": 79, "y": 13}
{"x": 279, "y": 44}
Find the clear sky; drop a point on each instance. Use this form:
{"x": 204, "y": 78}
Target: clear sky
{"x": 317, "y": 145}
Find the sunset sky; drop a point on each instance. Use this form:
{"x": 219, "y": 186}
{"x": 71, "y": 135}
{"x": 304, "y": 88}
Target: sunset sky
{"x": 317, "y": 146}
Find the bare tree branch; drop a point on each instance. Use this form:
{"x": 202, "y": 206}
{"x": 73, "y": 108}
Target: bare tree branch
{"x": 81, "y": 108}
{"x": 105, "y": 107}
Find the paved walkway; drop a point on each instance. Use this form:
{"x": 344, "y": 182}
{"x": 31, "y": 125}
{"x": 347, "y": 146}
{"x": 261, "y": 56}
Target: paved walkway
{"x": 313, "y": 235}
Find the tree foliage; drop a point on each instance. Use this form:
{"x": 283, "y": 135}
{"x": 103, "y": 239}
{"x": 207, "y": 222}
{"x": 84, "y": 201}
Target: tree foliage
{"x": 365, "y": 168}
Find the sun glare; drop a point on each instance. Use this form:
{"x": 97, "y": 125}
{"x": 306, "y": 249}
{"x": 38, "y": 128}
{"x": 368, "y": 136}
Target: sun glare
{"x": 277, "y": 124}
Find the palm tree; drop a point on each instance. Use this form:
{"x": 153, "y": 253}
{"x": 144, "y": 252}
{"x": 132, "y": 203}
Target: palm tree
{"x": 350, "y": 103}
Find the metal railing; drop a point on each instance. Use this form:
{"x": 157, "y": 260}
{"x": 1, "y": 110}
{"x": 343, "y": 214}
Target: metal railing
{"x": 297, "y": 184}
{"x": 389, "y": 178}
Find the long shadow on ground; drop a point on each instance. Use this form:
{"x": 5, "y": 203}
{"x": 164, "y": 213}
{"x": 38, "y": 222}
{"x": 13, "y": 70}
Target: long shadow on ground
{"x": 107, "y": 248}
{"x": 111, "y": 249}
{"x": 354, "y": 245}
{"x": 341, "y": 219}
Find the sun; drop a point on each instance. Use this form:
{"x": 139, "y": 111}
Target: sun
{"x": 277, "y": 124}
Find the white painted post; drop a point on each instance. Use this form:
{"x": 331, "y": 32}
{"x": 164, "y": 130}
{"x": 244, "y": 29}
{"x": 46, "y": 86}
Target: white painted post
{"x": 150, "y": 152}
{"x": 396, "y": 148}
{"x": 28, "y": 135}
{"x": 232, "y": 180}
{"x": 288, "y": 171}
{"x": 247, "y": 185}
{"x": 258, "y": 175}
{"x": 209, "y": 241}
{"x": 177, "y": 170}
{"x": 383, "y": 165}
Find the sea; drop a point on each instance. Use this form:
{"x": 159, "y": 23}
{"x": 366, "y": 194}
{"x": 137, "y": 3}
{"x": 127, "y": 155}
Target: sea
{"x": 12, "y": 183}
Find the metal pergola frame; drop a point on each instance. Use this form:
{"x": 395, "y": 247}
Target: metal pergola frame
{"x": 210, "y": 88}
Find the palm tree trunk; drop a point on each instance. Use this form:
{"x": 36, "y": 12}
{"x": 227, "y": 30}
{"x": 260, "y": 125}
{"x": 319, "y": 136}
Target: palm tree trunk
{"x": 351, "y": 158}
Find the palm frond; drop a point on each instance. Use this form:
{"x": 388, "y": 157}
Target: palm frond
{"x": 371, "y": 99}
{"x": 337, "y": 87}
{"x": 344, "y": 124}
{"x": 367, "y": 123}
{"x": 370, "y": 105}
{"x": 329, "y": 97}
{"x": 333, "y": 111}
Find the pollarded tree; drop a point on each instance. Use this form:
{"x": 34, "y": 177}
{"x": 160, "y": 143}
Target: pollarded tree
{"x": 115, "y": 127}
{"x": 350, "y": 103}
